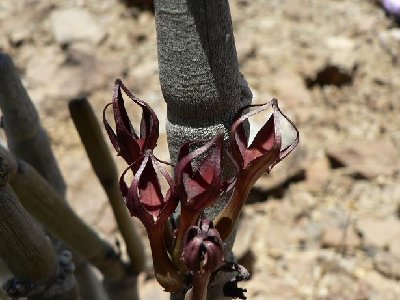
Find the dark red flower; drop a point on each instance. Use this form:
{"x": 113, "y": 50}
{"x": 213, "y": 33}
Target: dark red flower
{"x": 198, "y": 184}
{"x": 126, "y": 142}
{"x": 144, "y": 197}
{"x": 272, "y": 143}
{"x": 145, "y": 200}
{"x": 198, "y": 187}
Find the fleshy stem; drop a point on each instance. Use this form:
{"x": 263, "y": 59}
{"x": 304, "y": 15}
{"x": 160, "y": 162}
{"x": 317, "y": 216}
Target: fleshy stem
{"x": 225, "y": 220}
{"x": 200, "y": 284}
{"x": 166, "y": 273}
{"x": 187, "y": 219}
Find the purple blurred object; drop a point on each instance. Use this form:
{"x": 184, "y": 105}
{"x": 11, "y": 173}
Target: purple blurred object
{"x": 392, "y": 7}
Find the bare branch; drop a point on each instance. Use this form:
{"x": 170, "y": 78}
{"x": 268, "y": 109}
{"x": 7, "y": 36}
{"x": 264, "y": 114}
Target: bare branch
{"x": 103, "y": 164}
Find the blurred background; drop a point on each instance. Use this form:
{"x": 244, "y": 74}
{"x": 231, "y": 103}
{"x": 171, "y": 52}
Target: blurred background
{"x": 325, "y": 224}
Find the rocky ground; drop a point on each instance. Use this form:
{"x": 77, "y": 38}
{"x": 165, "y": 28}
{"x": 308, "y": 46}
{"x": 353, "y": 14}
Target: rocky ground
{"x": 326, "y": 223}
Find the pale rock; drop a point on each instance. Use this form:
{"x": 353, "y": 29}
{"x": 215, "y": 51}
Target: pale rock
{"x": 339, "y": 238}
{"x": 388, "y": 265}
{"x": 336, "y": 66}
{"x": 70, "y": 74}
{"x": 317, "y": 173}
{"x": 293, "y": 95}
{"x": 279, "y": 238}
{"x": 395, "y": 33}
{"x": 381, "y": 286}
{"x": 293, "y": 166}
{"x": 19, "y": 35}
{"x": 150, "y": 289}
{"x": 367, "y": 158}
{"x": 341, "y": 286}
{"x": 76, "y": 24}
{"x": 394, "y": 247}
{"x": 379, "y": 233}
{"x": 342, "y": 53}
{"x": 340, "y": 43}
{"x": 246, "y": 230}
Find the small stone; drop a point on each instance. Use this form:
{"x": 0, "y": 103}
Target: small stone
{"x": 337, "y": 67}
{"x": 74, "y": 25}
{"x": 395, "y": 33}
{"x": 367, "y": 158}
{"x": 342, "y": 50}
{"x": 339, "y": 238}
{"x": 150, "y": 289}
{"x": 293, "y": 95}
{"x": 394, "y": 247}
{"x": 245, "y": 234}
{"x": 339, "y": 285}
{"x": 290, "y": 168}
{"x": 379, "y": 233}
{"x": 18, "y": 36}
{"x": 317, "y": 173}
{"x": 340, "y": 43}
{"x": 388, "y": 265}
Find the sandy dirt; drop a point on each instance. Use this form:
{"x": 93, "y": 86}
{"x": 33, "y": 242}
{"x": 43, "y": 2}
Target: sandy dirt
{"x": 325, "y": 224}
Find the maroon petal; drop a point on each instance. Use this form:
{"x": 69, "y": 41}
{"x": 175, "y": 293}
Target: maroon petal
{"x": 200, "y": 187}
{"x": 144, "y": 198}
{"x": 149, "y": 124}
{"x": 271, "y": 144}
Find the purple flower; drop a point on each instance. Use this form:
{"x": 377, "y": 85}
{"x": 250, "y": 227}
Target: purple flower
{"x": 392, "y": 7}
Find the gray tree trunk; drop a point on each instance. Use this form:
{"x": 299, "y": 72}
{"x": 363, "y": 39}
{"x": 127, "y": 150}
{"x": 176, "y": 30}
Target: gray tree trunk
{"x": 199, "y": 75}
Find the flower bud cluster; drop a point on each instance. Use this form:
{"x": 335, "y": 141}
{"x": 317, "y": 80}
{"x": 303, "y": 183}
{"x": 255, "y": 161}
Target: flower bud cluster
{"x": 196, "y": 245}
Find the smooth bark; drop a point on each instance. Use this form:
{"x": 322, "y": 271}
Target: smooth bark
{"x": 103, "y": 164}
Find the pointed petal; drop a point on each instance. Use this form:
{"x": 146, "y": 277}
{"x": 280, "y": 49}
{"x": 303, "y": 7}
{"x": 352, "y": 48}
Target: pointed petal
{"x": 268, "y": 138}
{"x": 274, "y": 141}
{"x": 125, "y": 140}
{"x": 144, "y": 197}
{"x": 110, "y": 132}
{"x": 149, "y": 126}
{"x": 202, "y": 185}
